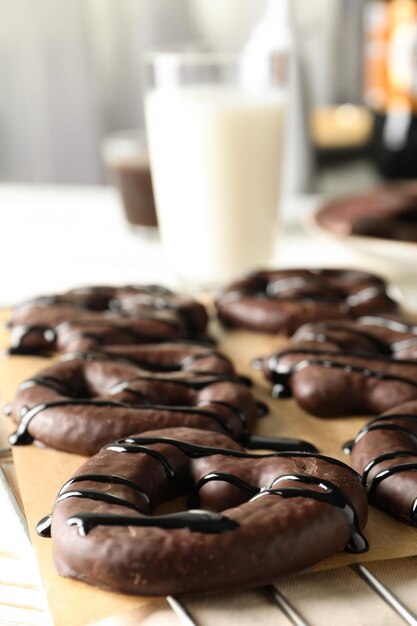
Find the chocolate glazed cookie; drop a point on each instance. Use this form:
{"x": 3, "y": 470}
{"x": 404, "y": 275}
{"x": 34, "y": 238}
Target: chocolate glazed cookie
{"x": 330, "y": 384}
{"x": 262, "y": 516}
{"x": 105, "y": 314}
{"x": 279, "y": 301}
{"x": 79, "y": 404}
{"x": 385, "y": 453}
{"x": 372, "y": 334}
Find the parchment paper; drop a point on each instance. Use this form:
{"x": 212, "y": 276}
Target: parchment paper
{"x": 41, "y": 473}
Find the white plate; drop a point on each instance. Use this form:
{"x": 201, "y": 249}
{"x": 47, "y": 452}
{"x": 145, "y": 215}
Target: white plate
{"x": 404, "y": 252}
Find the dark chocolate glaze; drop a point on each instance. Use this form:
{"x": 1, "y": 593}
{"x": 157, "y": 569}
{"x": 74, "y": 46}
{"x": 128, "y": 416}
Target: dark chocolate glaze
{"x": 263, "y": 408}
{"x": 331, "y": 495}
{"x": 43, "y": 527}
{"x": 51, "y": 382}
{"x": 389, "y": 324}
{"x": 384, "y": 457}
{"x": 245, "y": 487}
{"x": 101, "y": 496}
{"x": 107, "y": 478}
{"x": 381, "y": 346}
{"x": 100, "y": 356}
{"x": 386, "y": 473}
{"x": 378, "y": 423}
{"x": 100, "y": 340}
{"x": 275, "y": 290}
{"x": 156, "y": 300}
{"x": 255, "y": 442}
{"x": 146, "y": 365}
{"x": 204, "y": 380}
{"x": 196, "y": 451}
{"x": 196, "y": 521}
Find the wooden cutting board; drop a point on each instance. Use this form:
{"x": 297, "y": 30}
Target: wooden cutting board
{"x": 41, "y": 473}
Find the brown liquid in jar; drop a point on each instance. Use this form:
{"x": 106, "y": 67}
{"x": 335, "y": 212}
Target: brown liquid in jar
{"x": 135, "y": 184}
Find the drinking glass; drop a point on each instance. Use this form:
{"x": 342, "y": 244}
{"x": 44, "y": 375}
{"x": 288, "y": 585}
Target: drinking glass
{"x": 126, "y": 155}
{"x": 215, "y": 132}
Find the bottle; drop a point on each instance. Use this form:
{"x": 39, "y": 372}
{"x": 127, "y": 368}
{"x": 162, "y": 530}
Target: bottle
{"x": 272, "y": 43}
{"x": 390, "y": 85}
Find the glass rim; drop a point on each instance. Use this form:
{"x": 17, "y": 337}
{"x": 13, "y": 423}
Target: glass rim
{"x": 178, "y": 55}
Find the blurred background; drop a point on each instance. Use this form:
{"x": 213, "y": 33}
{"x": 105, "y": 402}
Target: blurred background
{"x": 72, "y": 75}
{"x": 72, "y": 72}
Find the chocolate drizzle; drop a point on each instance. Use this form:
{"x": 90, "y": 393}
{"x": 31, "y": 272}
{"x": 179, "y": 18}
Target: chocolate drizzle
{"x": 380, "y": 459}
{"x": 386, "y": 473}
{"x": 22, "y": 435}
{"x": 135, "y": 444}
{"x": 148, "y": 365}
{"x": 108, "y": 478}
{"x": 309, "y": 290}
{"x": 107, "y": 324}
{"x": 203, "y": 380}
{"x": 50, "y": 382}
{"x": 195, "y": 521}
{"x": 379, "y": 423}
{"x": 202, "y": 521}
{"x": 157, "y": 300}
{"x": 101, "y": 496}
{"x": 255, "y": 442}
{"x": 331, "y": 495}
{"x": 320, "y": 335}
{"x": 249, "y": 490}
{"x": 389, "y": 324}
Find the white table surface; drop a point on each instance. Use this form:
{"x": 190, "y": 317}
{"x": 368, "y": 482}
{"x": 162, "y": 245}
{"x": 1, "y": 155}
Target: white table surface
{"x": 54, "y": 238}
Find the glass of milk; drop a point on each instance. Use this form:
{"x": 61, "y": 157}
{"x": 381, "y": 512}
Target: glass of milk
{"x": 215, "y": 133}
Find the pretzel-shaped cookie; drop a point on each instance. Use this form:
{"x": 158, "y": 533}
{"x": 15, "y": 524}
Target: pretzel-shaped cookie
{"x": 279, "y": 301}
{"x": 385, "y": 453}
{"x": 265, "y": 515}
{"x": 334, "y": 383}
{"x": 156, "y": 314}
{"x": 79, "y": 404}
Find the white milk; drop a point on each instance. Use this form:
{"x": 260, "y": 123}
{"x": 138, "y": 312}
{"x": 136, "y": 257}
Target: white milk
{"x": 216, "y": 160}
